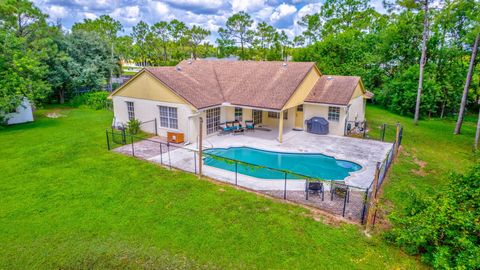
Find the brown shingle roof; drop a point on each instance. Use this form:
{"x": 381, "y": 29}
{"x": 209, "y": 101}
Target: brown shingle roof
{"x": 206, "y": 83}
{"x": 331, "y": 89}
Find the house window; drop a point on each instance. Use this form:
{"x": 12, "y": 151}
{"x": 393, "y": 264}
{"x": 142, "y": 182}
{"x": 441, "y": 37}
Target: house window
{"x": 130, "y": 110}
{"x": 277, "y": 115}
{"x": 238, "y": 114}
{"x": 334, "y": 114}
{"x": 213, "y": 120}
{"x": 257, "y": 116}
{"x": 168, "y": 117}
{"x": 300, "y": 108}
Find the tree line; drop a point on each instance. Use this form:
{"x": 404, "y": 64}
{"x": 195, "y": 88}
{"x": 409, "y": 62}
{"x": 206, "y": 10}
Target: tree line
{"x": 415, "y": 57}
{"x": 386, "y": 51}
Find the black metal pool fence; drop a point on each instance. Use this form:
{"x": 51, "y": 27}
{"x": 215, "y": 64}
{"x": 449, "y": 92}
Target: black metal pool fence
{"x": 336, "y": 197}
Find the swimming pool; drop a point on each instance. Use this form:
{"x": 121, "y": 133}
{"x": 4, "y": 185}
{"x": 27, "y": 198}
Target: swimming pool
{"x": 311, "y": 165}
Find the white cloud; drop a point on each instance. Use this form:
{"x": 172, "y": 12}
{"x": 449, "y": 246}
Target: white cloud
{"x": 247, "y": 5}
{"x": 309, "y": 9}
{"x": 281, "y": 11}
{"x": 211, "y": 22}
{"x": 264, "y": 14}
{"x": 89, "y": 15}
{"x": 161, "y": 8}
{"x": 56, "y": 12}
{"x": 95, "y": 4}
{"x": 129, "y": 14}
{"x": 197, "y": 3}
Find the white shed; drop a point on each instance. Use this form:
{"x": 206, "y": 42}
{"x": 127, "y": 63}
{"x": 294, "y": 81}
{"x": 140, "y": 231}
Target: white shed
{"x": 22, "y": 114}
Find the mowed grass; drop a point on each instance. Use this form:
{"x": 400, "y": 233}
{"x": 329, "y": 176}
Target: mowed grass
{"x": 430, "y": 153}
{"x": 67, "y": 202}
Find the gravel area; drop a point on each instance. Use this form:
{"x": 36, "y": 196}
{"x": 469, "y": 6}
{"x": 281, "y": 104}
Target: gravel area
{"x": 353, "y": 208}
{"x": 147, "y": 149}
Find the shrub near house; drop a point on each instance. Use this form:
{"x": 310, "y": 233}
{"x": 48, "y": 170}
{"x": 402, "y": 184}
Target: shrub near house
{"x": 93, "y": 100}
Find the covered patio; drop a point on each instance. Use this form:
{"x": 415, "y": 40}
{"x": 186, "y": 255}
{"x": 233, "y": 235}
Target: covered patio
{"x": 269, "y": 124}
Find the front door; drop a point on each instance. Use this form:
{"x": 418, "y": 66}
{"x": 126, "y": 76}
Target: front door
{"x": 299, "y": 117}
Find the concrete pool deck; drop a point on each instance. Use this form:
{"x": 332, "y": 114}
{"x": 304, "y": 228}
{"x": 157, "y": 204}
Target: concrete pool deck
{"x": 364, "y": 152}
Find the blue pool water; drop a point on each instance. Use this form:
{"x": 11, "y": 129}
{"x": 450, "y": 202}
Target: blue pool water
{"x": 311, "y": 165}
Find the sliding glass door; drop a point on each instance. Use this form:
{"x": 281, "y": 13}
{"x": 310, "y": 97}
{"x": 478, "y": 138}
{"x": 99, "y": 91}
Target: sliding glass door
{"x": 213, "y": 120}
{"x": 257, "y": 116}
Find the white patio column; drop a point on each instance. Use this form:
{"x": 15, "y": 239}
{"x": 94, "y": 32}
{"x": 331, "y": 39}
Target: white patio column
{"x": 280, "y": 127}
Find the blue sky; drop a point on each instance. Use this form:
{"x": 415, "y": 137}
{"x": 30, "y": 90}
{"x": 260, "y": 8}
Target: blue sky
{"x": 210, "y": 14}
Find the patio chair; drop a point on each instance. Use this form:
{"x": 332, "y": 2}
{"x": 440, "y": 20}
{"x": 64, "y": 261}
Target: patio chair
{"x": 340, "y": 190}
{"x": 249, "y": 125}
{"x": 237, "y": 128}
{"x": 225, "y": 128}
{"x": 312, "y": 188}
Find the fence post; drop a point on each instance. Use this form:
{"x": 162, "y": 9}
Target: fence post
{"x": 133, "y": 148}
{"x": 344, "y": 202}
{"x": 372, "y": 209}
{"x": 397, "y": 138}
{"x": 108, "y": 141}
{"x": 306, "y": 189}
{"x": 365, "y": 198}
{"x": 169, "y": 159}
{"x": 236, "y": 173}
{"x": 156, "y": 130}
{"x": 113, "y": 137}
{"x": 365, "y": 129}
{"x": 161, "y": 154}
{"x": 384, "y": 127}
{"x": 376, "y": 179}
{"x": 285, "y": 187}
{"x": 200, "y": 146}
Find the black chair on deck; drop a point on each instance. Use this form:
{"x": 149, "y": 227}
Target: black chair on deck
{"x": 312, "y": 188}
{"x": 339, "y": 189}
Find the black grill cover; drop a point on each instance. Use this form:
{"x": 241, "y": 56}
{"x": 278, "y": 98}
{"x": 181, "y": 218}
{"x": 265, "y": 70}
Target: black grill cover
{"x": 317, "y": 125}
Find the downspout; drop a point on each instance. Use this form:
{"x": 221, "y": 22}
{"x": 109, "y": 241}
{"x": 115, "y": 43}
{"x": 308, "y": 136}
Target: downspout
{"x": 347, "y": 109}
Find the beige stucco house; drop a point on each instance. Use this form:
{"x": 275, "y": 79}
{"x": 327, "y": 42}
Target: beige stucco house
{"x": 277, "y": 95}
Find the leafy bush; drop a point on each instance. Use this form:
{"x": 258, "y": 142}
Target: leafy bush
{"x": 133, "y": 126}
{"x": 3, "y": 120}
{"x": 444, "y": 229}
{"x": 94, "y": 100}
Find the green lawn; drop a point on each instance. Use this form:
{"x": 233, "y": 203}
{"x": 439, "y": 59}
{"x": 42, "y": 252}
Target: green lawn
{"x": 430, "y": 152}
{"x": 67, "y": 202}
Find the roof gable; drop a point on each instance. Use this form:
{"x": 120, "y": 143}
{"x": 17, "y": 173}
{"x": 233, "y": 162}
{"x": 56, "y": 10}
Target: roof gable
{"x": 146, "y": 86}
{"x": 336, "y": 90}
